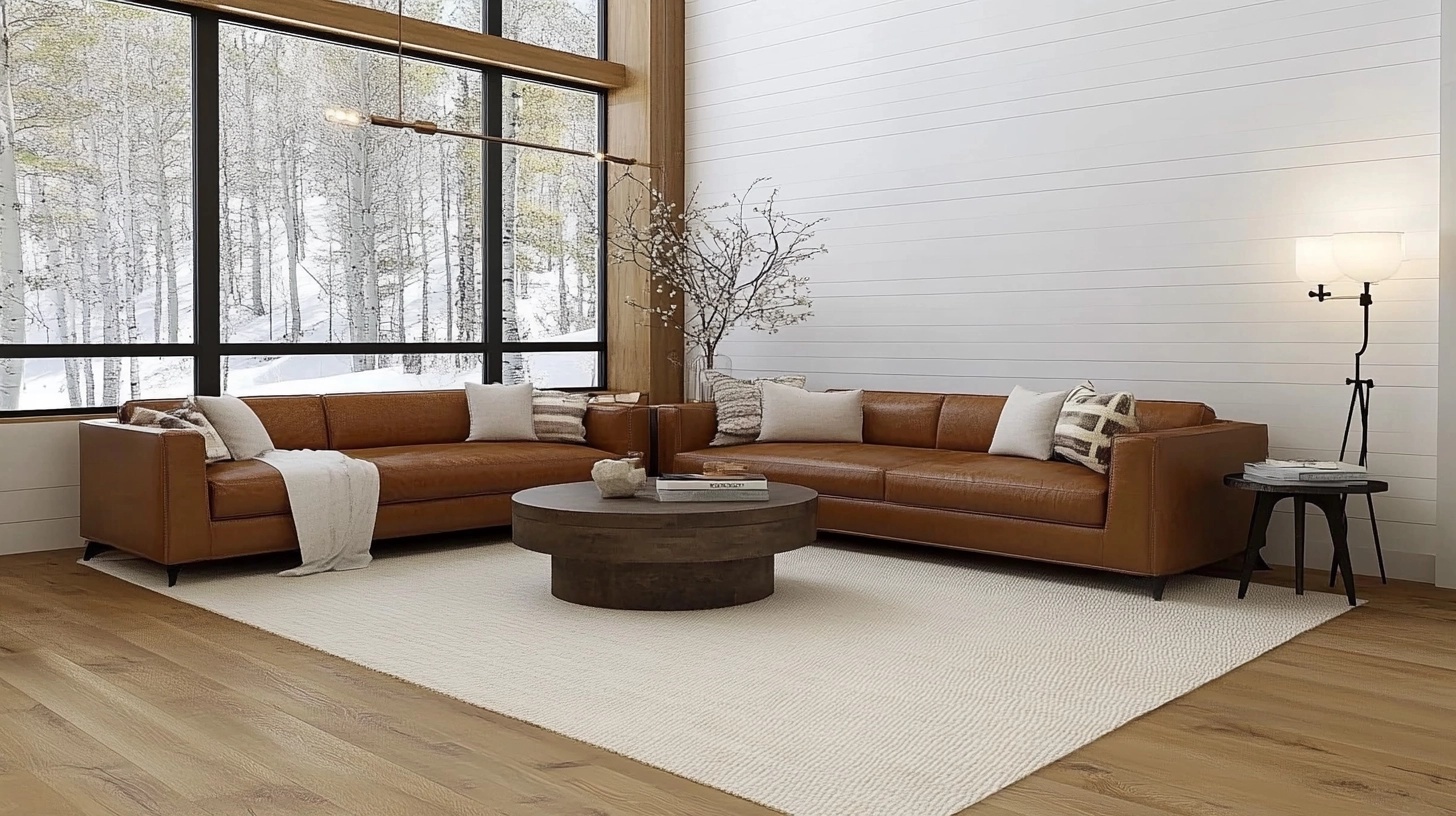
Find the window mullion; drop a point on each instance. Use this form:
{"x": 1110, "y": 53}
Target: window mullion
{"x": 493, "y": 236}
{"x": 206, "y": 205}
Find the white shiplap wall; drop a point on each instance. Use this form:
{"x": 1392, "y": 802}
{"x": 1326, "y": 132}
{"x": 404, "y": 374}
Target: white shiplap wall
{"x": 39, "y": 493}
{"x": 1040, "y": 192}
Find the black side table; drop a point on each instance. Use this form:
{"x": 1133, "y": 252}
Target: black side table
{"x": 1328, "y": 498}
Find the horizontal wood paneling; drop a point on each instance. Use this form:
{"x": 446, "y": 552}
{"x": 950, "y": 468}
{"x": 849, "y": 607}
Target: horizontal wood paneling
{"x": 34, "y": 536}
{"x": 39, "y": 454}
{"x": 39, "y": 504}
{"x": 1038, "y": 193}
{"x": 39, "y": 493}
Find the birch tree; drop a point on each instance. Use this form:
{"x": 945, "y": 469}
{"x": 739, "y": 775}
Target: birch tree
{"x": 12, "y": 269}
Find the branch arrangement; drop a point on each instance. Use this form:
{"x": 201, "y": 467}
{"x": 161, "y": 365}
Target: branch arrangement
{"x": 732, "y": 262}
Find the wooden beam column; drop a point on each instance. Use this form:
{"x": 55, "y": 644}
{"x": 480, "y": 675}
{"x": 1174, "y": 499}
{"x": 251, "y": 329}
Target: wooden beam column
{"x": 383, "y": 28}
{"x": 644, "y": 120}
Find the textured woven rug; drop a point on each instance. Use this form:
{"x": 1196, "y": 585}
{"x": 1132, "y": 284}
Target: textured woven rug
{"x": 873, "y": 683}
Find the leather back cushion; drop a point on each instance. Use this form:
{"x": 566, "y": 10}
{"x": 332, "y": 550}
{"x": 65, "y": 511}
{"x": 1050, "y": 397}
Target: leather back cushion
{"x": 1156, "y": 415}
{"x": 901, "y": 418}
{"x": 968, "y": 421}
{"x": 399, "y": 418}
{"x": 293, "y": 423}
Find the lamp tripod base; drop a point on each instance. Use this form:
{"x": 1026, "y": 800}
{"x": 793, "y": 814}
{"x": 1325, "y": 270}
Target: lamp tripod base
{"x": 1360, "y": 398}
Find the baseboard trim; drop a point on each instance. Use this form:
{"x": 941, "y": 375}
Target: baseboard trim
{"x": 1404, "y": 566}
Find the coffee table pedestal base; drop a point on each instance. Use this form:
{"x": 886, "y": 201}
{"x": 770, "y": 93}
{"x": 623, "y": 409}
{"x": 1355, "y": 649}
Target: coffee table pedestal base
{"x": 662, "y": 586}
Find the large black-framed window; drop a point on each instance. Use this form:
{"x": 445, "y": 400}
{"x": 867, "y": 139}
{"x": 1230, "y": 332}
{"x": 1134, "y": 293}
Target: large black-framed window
{"x": 263, "y": 250}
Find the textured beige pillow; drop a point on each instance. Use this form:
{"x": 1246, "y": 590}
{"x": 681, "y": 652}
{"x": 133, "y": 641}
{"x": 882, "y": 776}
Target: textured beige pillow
{"x": 559, "y": 416}
{"x": 740, "y": 406}
{"x": 1027, "y": 424}
{"x": 500, "y": 413}
{"x": 795, "y": 415}
{"x": 239, "y": 427}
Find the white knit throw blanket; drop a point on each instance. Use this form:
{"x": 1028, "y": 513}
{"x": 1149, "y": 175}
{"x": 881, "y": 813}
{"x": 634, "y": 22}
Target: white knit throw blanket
{"x": 334, "y": 499}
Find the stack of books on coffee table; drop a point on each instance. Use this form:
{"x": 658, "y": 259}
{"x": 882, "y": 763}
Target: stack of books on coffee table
{"x": 695, "y": 487}
{"x": 1304, "y": 472}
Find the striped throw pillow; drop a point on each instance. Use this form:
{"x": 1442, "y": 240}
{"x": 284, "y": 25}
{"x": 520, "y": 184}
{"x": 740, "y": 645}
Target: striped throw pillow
{"x": 559, "y": 416}
{"x": 1088, "y": 423}
{"x": 740, "y": 406}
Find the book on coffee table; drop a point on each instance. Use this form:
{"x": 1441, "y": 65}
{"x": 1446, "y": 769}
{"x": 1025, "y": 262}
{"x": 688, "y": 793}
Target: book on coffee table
{"x": 691, "y": 487}
{"x": 712, "y": 495}
{"x": 697, "y": 481}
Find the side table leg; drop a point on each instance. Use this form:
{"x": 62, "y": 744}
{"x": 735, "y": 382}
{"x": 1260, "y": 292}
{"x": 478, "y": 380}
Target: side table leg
{"x": 1334, "y": 509}
{"x": 1299, "y": 502}
{"x": 1375, "y": 533}
{"x": 1334, "y": 556}
{"x": 1258, "y": 531}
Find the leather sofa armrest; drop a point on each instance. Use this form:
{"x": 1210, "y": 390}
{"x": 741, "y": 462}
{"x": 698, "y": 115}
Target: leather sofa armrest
{"x": 681, "y": 428}
{"x": 619, "y": 429}
{"x": 1167, "y": 508}
{"x": 144, "y": 490}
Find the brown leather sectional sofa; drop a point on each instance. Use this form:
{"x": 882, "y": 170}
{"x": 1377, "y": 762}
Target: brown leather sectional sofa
{"x": 151, "y": 492}
{"x": 923, "y": 475}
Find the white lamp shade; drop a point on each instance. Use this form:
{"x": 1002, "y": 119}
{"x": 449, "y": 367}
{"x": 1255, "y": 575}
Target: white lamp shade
{"x": 1369, "y": 257}
{"x": 1314, "y": 260}
{"x": 348, "y": 117}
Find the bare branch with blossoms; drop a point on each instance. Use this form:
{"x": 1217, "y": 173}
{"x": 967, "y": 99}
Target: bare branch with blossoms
{"x": 730, "y": 261}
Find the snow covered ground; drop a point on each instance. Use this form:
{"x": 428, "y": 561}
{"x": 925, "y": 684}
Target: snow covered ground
{"x": 45, "y": 380}
{"x": 44, "y": 383}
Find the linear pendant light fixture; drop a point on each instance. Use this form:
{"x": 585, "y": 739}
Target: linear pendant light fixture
{"x": 349, "y": 117}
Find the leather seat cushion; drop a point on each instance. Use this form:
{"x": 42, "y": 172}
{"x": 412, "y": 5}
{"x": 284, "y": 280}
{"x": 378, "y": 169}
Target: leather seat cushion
{"x": 244, "y": 489}
{"x": 414, "y": 473}
{"x": 1058, "y": 492}
{"x": 847, "y": 470}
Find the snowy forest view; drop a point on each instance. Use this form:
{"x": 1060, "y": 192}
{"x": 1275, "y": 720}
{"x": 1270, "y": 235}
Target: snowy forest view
{"x": 327, "y": 234}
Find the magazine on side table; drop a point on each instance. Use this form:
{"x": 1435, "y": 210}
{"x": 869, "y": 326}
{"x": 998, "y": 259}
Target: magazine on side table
{"x": 1305, "y": 471}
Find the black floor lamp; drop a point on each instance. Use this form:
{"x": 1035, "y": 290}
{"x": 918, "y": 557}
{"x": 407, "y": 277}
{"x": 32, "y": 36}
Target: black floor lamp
{"x": 1367, "y": 258}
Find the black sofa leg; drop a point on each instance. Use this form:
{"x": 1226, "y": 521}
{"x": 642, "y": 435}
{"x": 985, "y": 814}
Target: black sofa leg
{"x": 1159, "y": 584}
{"x": 172, "y": 575}
{"x": 93, "y": 549}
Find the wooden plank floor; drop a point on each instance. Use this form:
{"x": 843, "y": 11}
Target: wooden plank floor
{"x": 115, "y": 700}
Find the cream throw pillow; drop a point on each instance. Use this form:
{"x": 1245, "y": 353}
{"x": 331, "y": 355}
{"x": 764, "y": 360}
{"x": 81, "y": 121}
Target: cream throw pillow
{"x": 239, "y": 427}
{"x": 795, "y": 415}
{"x": 500, "y": 413}
{"x": 1028, "y": 424}
{"x": 740, "y": 406}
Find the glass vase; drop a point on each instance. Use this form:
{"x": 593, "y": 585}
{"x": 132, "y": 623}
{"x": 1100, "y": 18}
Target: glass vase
{"x": 695, "y": 379}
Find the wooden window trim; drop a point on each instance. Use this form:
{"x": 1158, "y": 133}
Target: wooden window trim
{"x": 422, "y": 36}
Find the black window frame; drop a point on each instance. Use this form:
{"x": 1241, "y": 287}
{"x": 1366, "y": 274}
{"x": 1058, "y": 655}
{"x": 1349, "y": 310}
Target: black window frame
{"x": 206, "y": 350}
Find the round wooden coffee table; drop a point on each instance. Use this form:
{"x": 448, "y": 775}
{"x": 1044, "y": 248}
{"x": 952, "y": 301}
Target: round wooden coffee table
{"x": 639, "y": 553}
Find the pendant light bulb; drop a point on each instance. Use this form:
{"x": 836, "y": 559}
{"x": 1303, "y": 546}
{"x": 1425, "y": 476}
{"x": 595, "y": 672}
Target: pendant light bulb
{"x": 347, "y": 117}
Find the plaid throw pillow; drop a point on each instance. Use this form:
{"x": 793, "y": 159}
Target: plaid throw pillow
{"x": 1088, "y": 423}
{"x": 559, "y": 416}
{"x": 186, "y": 418}
{"x": 740, "y": 406}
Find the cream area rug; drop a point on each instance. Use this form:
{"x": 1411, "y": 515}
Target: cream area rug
{"x": 872, "y": 683}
